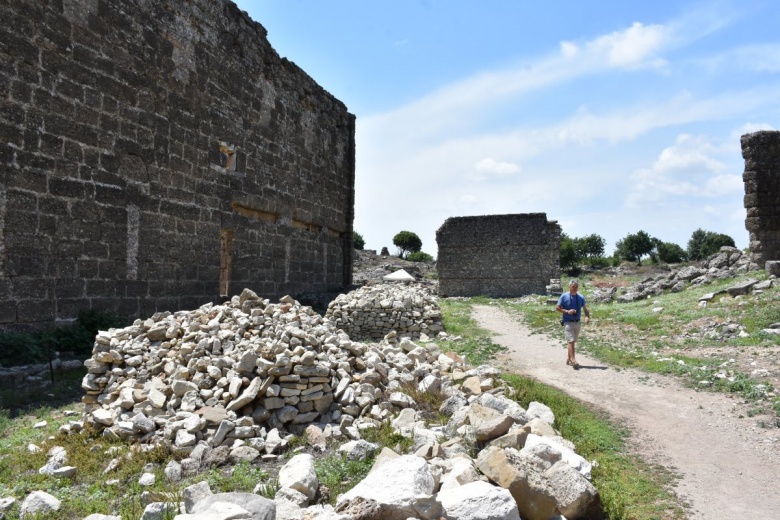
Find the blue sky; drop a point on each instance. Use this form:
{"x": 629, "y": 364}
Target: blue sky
{"x": 609, "y": 116}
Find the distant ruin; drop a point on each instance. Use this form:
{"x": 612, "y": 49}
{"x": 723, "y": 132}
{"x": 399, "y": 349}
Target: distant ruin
{"x": 761, "y": 151}
{"x": 497, "y": 255}
{"x": 161, "y": 155}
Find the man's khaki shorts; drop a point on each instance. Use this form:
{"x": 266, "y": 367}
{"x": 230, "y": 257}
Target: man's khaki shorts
{"x": 572, "y": 330}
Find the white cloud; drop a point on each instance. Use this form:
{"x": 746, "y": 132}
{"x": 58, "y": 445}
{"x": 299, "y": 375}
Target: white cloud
{"x": 690, "y": 153}
{"x": 489, "y": 167}
{"x": 689, "y": 168}
{"x": 634, "y": 47}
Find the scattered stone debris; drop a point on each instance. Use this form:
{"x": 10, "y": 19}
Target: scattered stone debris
{"x": 726, "y": 263}
{"x": 233, "y": 382}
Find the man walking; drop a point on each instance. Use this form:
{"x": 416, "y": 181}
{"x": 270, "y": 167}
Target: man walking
{"x": 571, "y": 305}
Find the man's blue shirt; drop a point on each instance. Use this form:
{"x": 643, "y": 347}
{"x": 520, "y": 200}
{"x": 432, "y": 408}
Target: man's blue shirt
{"x": 571, "y": 301}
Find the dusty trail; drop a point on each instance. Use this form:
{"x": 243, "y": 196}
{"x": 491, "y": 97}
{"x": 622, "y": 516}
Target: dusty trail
{"x": 728, "y": 467}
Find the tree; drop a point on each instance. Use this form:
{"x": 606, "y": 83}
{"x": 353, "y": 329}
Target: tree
{"x": 634, "y": 246}
{"x": 705, "y": 243}
{"x": 407, "y": 242}
{"x": 568, "y": 253}
{"x": 593, "y": 246}
{"x": 574, "y": 251}
{"x": 670, "y": 252}
{"x": 357, "y": 241}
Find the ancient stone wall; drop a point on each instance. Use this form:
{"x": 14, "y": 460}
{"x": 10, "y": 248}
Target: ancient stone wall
{"x": 761, "y": 151}
{"x": 159, "y": 155}
{"x": 497, "y": 255}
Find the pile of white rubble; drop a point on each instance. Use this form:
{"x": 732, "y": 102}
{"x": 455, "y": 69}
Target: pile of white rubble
{"x": 227, "y": 383}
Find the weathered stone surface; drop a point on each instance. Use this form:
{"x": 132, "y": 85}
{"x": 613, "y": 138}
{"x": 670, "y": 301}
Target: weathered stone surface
{"x": 462, "y": 472}
{"x": 518, "y": 255}
{"x": 479, "y": 501}
{"x": 541, "y": 411}
{"x": 39, "y": 503}
{"x": 194, "y": 494}
{"x": 493, "y": 428}
{"x": 394, "y": 486}
{"x": 742, "y": 287}
{"x": 259, "y": 508}
{"x": 298, "y": 474}
{"x": 525, "y": 482}
{"x": 358, "y": 450}
{"x": 248, "y": 395}
{"x": 573, "y": 493}
{"x": 127, "y": 235}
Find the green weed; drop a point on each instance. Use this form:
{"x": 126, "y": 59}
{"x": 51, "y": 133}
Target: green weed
{"x": 339, "y": 474}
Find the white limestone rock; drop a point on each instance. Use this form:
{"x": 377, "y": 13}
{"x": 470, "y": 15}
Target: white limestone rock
{"x": 479, "y": 501}
{"x": 395, "y": 485}
{"x": 298, "y": 474}
{"x": 39, "y": 503}
{"x": 541, "y": 411}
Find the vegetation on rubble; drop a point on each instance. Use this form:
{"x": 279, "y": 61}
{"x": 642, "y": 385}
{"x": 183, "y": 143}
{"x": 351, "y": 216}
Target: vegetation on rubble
{"x": 358, "y": 242}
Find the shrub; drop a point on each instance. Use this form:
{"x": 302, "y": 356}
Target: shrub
{"x": 358, "y": 242}
{"x": 419, "y": 256}
{"x": 600, "y": 262}
{"x": 20, "y": 348}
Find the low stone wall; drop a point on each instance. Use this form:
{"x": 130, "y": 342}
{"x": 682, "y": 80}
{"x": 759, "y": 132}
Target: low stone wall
{"x": 372, "y": 312}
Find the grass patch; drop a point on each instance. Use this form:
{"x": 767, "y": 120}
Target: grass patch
{"x": 242, "y": 477}
{"x": 340, "y": 475}
{"x": 629, "y": 488}
{"x": 475, "y": 343}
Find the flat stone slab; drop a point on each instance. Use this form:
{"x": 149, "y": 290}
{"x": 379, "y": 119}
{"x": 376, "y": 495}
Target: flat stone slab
{"x": 742, "y": 288}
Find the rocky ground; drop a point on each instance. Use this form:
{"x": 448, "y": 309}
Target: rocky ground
{"x": 369, "y": 268}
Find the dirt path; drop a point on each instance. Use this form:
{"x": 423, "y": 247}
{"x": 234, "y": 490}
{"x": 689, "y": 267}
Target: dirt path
{"x": 728, "y": 467}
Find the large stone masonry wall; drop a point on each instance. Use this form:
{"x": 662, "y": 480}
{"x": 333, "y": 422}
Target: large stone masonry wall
{"x": 160, "y": 155}
{"x": 497, "y": 255}
{"x": 761, "y": 151}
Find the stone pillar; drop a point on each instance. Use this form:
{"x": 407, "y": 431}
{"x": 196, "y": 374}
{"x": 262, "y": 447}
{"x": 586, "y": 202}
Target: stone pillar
{"x": 761, "y": 151}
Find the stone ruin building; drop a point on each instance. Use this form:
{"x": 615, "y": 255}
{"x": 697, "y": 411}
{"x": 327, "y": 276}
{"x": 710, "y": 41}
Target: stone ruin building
{"x": 497, "y": 255}
{"x": 761, "y": 151}
{"x": 160, "y": 155}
